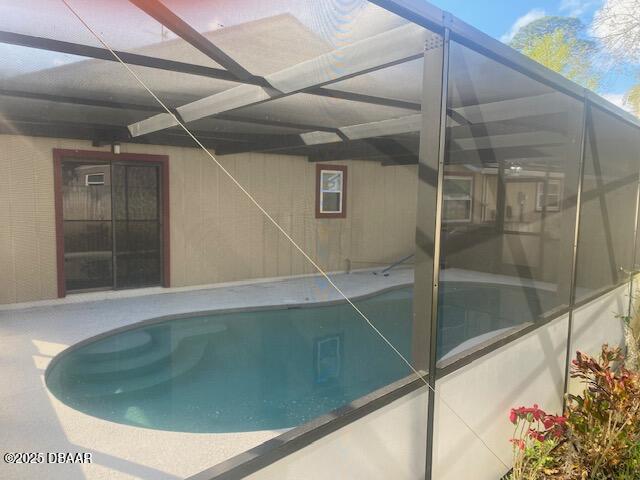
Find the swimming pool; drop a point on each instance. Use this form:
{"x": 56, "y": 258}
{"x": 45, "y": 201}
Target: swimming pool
{"x": 259, "y": 369}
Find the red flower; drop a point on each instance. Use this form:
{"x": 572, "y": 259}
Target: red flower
{"x": 537, "y": 413}
{"x": 518, "y": 443}
{"x": 536, "y": 435}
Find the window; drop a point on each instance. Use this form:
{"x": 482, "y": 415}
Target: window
{"x": 94, "y": 179}
{"x": 554, "y": 194}
{"x": 331, "y": 191}
{"x": 457, "y": 199}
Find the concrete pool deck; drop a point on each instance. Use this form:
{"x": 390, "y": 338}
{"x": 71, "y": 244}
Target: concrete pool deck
{"x": 33, "y": 420}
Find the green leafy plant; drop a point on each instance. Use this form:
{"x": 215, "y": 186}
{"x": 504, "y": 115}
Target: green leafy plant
{"x": 604, "y": 422}
{"x": 599, "y": 437}
{"x": 631, "y": 469}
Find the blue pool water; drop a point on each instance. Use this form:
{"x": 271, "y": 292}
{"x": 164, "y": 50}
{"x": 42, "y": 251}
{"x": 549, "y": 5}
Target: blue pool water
{"x": 262, "y": 369}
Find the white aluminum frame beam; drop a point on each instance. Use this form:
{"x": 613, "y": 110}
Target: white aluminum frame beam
{"x": 379, "y": 51}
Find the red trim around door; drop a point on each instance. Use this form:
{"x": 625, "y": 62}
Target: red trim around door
{"x": 61, "y": 154}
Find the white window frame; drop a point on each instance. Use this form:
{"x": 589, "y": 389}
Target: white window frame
{"x": 468, "y": 198}
{"x": 337, "y": 340}
{"x": 539, "y": 195}
{"x": 341, "y": 192}
{"x": 88, "y": 182}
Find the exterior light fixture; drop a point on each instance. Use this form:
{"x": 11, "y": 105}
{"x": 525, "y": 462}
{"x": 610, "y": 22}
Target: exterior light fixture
{"x": 515, "y": 169}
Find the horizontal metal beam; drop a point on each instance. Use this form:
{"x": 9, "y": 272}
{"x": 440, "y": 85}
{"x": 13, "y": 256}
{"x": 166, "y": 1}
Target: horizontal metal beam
{"x": 92, "y": 102}
{"x": 116, "y": 133}
{"x": 389, "y": 48}
{"x": 528, "y": 124}
{"x": 173, "y": 22}
{"x": 379, "y": 149}
{"x": 275, "y": 143}
{"x": 275, "y": 123}
{"x": 98, "y": 53}
{"x": 463, "y": 137}
{"x": 541, "y": 139}
{"x": 364, "y": 98}
{"x": 220, "y": 142}
{"x": 83, "y": 131}
{"x": 491, "y": 155}
{"x": 89, "y": 102}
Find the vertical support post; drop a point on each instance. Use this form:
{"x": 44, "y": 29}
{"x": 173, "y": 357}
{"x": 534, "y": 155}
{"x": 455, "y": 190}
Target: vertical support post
{"x": 430, "y": 179}
{"x": 635, "y": 247}
{"x": 427, "y": 194}
{"x": 574, "y": 254}
{"x": 542, "y": 237}
{"x": 114, "y": 259}
{"x": 501, "y": 193}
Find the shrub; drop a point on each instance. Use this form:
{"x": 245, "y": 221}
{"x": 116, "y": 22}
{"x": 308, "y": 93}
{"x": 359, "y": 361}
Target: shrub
{"x": 631, "y": 469}
{"x": 603, "y": 422}
{"x": 599, "y": 439}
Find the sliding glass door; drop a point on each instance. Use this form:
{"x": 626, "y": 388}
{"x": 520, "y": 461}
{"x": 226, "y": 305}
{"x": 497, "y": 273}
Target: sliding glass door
{"x": 136, "y": 202}
{"x": 88, "y": 225}
{"x": 112, "y": 225}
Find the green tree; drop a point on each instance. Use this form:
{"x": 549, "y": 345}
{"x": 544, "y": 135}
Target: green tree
{"x": 632, "y": 98}
{"x": 617, "y": 25}
{"x": 560, "y": 44}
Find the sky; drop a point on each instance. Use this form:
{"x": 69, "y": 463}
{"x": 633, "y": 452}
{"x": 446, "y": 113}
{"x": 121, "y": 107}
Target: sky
{"x": 502, "y": 18}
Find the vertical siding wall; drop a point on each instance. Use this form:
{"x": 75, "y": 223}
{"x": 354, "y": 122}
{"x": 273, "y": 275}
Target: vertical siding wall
{"x": 27, "y": 220}
{"x": 217, "y": 235}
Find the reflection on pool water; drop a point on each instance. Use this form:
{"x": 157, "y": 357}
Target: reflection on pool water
{"x": 261, "y": 369}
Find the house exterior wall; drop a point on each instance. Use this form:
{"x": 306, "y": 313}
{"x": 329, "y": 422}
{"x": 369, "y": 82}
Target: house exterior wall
{"x": 217, "y": 234}
{"x": 523, "y": 242}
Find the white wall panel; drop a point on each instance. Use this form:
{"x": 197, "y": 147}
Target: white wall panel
{"x": 387, "y": 444}
{"x": 595, "y": 324}
{"x": 526, "y": 371}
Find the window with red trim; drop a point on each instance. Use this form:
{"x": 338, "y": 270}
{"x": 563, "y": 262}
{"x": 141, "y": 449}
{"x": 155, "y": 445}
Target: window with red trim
{"x": 331, "y": 191}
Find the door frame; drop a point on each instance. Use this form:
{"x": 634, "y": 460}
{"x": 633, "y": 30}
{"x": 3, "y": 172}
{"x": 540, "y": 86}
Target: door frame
{"x": 61, "y": 154}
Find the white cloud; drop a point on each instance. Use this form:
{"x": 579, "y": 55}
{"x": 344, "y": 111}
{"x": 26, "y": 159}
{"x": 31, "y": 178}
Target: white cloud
{"x": 523, "y": 21}
{"x": 617, "y": 99}
{"x": 576, "y": 8}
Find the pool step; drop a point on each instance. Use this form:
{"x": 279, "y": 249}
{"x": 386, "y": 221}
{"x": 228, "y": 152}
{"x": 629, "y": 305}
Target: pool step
{"x": 186, "y": 356}
{"x": 160, "y": 355}
{"x": 119, "y": 346}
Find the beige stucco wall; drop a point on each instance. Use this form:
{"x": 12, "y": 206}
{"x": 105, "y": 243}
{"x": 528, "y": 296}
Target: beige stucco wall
{"x": 217, "y": 235}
